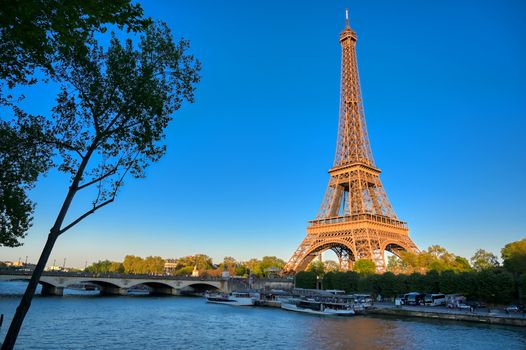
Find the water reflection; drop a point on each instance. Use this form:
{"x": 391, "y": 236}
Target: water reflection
{"x": 355, "y": 333}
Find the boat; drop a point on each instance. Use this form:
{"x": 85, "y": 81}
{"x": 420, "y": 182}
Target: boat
{"x": 318, "y": 307}
{"x": 234, "y": 298}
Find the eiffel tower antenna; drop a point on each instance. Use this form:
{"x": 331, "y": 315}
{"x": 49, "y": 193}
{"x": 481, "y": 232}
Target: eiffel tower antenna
{"x": 356, "y": 219}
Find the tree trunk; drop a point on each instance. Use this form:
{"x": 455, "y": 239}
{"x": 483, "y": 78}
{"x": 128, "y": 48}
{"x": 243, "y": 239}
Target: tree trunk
{"x": 25, "y": 303}
{"x": 518, "y": 289}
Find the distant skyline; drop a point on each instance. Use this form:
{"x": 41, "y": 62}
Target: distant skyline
{"x": 444, "y": 88}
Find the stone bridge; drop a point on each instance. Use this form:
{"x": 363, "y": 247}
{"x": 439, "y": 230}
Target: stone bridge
{"x": 53, "y": 283}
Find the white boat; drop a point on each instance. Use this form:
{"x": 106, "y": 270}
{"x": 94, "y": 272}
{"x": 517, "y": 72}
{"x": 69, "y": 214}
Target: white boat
{"x": 234, "y": 298}
{"x": 310, "y": 306}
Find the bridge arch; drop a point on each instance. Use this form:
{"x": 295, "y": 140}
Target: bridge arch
{"x": 199, "y": 287}
{"x": 105, "y": 288}
{"x": 156, "y": 287}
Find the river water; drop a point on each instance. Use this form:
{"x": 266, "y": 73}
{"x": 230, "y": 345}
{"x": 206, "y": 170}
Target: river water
{"x": 85, "y": 320}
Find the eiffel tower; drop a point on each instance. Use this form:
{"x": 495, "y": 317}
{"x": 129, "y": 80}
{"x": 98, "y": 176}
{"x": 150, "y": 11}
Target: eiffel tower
{"x": 356, "y": 219}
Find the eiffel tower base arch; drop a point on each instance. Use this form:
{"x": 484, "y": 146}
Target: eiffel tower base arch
{"x": 351, "y": 242}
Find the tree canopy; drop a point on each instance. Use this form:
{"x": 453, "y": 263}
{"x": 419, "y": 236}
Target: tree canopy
{"x": 137, "y": 265}
{"x": 484, "y": 260}
{"x": 316, "y": 266}
{"x": 36, "y": 34}
{"x": 435, "y": 258}
{"x": 41, "y": 35}
{"x": 514, "y": 256}
{"x": 23, "y": 157}
{"x": 364, "y": 266}
{"x": 105, "y": 266}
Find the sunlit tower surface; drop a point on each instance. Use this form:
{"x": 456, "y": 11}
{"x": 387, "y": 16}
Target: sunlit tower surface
{"x": 356, "y": 219}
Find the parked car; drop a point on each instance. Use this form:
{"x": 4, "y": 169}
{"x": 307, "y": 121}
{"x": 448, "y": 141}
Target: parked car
{"x": 477, "y": 304}
{"x": 454, "y": 300}
{"x": 511, "y": 309}
{"x": 463, "y": 306}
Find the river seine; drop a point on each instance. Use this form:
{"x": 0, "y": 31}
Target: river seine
{"x": 85, "y": 320}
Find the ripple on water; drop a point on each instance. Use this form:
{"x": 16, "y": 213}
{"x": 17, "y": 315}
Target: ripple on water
{"x": 142, "y": 322}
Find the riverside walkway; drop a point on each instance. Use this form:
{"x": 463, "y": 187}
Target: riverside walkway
{"x": 484, "y": 315}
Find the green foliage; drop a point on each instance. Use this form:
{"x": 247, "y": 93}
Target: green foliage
{"x": 137, "y": 265}
{"x": 483, "y": 260}
{"x": 35, "y": 34}
{"x": 257, "y": 267}
{"x": 184, "y": 271}
{"x": 306, "y": 279}
{"x": 514, "y": 256}
{"x": 39, "y": 34}
{"x": 254, "y": 266}
{"x": 116, "y": 267}
{"x": 202, "y": 261}
{"x": 109, "y": 122}
{"x": 521, "y": 284}
{"x": 329, "y": 280}
{"x": 105, "y": 266}
{"x": 331, "y": 265}
{"x": 23, "y": 157}
{"x": 436, "y": 258}
{"x": 241, "y": 270}
{"x": 271, "y": 261}
{"x": 230, "y": 264}
{"x": 460, "y": 264}
{"x": 395, "y": 264}
{"x": 492, "y": 286}
{"x": 364, "y": 266}
{"x": 316, "y": 266}
{"x": 115, "y": 106}
{"x": 102, "y": 266}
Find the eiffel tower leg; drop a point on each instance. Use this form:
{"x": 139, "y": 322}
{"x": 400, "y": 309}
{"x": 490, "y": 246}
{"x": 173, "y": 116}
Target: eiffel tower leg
{"x": 378, "y": 256}
{"x": 346, "y": 261}
{"x": 336, "y": 201}
{"x": 343, "y": 258}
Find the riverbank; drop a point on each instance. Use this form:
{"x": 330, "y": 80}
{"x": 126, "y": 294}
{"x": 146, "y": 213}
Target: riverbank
{"x": 388, "y": 309}
{"x": 485, "y": 316}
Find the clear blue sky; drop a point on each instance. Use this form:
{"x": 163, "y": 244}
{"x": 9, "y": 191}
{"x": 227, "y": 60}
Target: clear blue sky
{"x": 444, "y": 87}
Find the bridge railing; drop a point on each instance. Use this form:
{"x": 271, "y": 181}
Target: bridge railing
{"x": 15, "y": 272}
{"x": 109, "y": 275}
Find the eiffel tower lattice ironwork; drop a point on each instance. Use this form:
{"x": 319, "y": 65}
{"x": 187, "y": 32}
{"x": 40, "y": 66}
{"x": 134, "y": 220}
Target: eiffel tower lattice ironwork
{"x": 356, "y": 219}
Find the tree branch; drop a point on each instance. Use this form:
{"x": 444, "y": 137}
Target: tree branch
{"x": 65, "y": 145}
{"x": 110, "y": 124}
{"x": 124, "y": 127}
{"x": 119, "y": 183}
{"x": 85, "y": 215}
{"x": 87, "y": 100}
{"x": 97, "y": 207}
{"x": 111, "y": 172}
